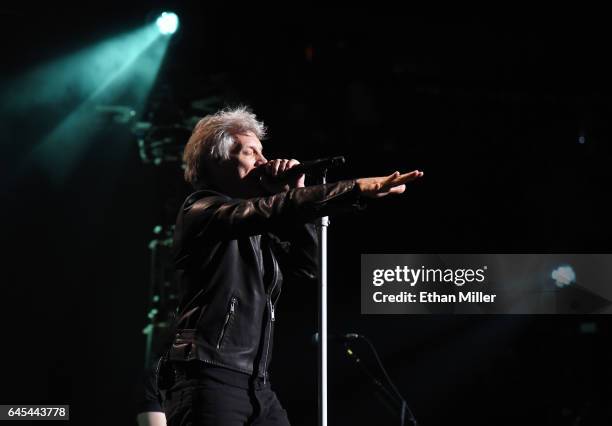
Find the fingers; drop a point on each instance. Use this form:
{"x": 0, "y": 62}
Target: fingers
{"x": 301, "y": 179}
{"x": 278, "y": 166}
{"x": 397, "y": 189}
{"x": 406, "y": 177}
{"x": 395, "y": 179}
{"x": 270, "y": 167}
{"x": 275, "y": 167}
{"x": 389, "y": 181}
{"x": 293, "y": 162}
{"x": 395, "y": 183}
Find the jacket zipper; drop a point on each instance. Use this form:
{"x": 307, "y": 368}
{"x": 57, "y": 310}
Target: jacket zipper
{"x": 258, "y": 254}
{"x": 274, "y": 286}
{"x": 272, "y": 319}
{"x": 230, "y": 313}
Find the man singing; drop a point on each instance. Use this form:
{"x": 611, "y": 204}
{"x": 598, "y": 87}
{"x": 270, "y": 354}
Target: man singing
{"x": 237, "y": 238}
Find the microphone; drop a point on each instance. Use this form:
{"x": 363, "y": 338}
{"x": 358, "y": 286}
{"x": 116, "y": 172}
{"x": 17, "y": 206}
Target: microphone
{"x": 336, "y": 337}
{"x": 308, "y": 168}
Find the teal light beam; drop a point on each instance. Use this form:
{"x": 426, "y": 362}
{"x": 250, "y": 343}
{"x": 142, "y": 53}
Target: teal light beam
{"x": 120, "y": 70}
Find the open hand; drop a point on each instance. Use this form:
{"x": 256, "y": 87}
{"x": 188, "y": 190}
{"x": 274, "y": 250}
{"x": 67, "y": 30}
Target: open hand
{"x": 376, "y": 187}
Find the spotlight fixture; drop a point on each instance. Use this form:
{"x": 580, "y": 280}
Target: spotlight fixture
{"x": 167, "y": 23}
{"x": 563, "y": 276}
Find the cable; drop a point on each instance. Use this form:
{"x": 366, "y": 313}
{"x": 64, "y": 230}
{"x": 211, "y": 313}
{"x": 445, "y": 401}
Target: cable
{"x": 397, "y": 392}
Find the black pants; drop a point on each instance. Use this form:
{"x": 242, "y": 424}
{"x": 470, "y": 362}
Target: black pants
{"x": 204, "y": 400}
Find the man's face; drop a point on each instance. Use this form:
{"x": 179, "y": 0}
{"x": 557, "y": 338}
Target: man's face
{"x": 246, "y": 154}
{"x": 233, "y": 176}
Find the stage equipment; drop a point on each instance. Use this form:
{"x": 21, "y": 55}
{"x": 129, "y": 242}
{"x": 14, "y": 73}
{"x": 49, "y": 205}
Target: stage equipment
{"x": 167, "y": 23}
{"x": 320, "y": 176}
{"x": 163, "y": 294}
{"x": 161, "y": 144}
{"x": 394, "y": 397}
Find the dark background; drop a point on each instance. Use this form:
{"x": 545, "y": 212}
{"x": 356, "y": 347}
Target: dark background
{"x": 490, "y": 107}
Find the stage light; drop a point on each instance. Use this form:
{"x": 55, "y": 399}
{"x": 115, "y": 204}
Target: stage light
{"x": 167, "y": 23}
{"x": 563, "y": 276}
{"x": 111, "y": 79}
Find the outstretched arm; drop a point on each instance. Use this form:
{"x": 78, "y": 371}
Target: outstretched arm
{"x": 208, "y": 216}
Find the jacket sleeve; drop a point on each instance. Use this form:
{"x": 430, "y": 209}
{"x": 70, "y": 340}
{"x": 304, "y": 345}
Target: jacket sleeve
{"x": 216, "y": 217}
{"x": 296, "y": 248}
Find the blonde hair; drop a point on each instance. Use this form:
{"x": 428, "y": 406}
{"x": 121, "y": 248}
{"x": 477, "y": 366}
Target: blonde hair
{"x": 213, "y": 137}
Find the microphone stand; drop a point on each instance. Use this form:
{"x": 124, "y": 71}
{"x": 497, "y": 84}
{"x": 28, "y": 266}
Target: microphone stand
{"x": 322, "y": 224}
{"x": 391, "y": 400}
{"x": 395, "y": 399}
{"x": 318, "y": 170}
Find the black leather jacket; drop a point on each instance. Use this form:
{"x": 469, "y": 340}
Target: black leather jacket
{"x": 232, "y": 255}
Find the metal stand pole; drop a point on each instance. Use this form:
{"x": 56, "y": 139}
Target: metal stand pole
{"x": 322, "y": 225}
